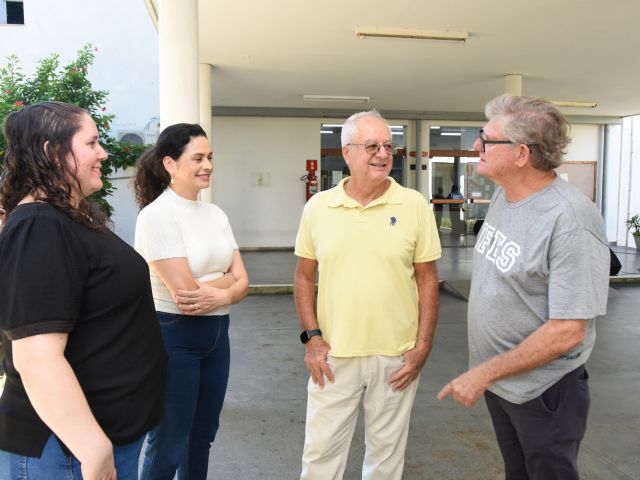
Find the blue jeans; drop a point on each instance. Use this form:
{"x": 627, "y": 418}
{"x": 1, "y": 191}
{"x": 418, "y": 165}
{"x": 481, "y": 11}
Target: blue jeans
{"x": 54, "y": 465}
{"x": 197, "y": 376}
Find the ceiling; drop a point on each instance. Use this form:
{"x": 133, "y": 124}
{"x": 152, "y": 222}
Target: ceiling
{"x": 270, "y": 53}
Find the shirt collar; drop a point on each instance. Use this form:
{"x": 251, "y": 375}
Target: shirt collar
{"x": 340, "y": 198}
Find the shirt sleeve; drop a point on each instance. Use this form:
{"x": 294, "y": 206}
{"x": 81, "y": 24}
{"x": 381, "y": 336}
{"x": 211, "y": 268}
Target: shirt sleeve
{"x": 43, "y": 271}
{"x": 304, "y": 242}
{"x": 157, "y": 236}
{"x": 228, "y": 233}
{"x": 578, "y": 276}
{"x": 428, "y": 246}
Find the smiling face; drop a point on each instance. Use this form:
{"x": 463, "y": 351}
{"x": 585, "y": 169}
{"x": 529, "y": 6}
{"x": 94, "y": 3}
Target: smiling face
{"x": 86, "y": 157}
{"x": 191, "y": 172}
{"x": 366, "y": 167}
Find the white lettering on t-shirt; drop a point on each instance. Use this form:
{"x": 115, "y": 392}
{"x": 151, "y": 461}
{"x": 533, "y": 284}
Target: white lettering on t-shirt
{"x": 493, "y": 244}
{"x": 486, "y": 234}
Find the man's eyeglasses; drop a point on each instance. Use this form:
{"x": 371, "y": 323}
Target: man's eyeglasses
{"x": 373, "y": 148}
{"x": 484, "y": 142}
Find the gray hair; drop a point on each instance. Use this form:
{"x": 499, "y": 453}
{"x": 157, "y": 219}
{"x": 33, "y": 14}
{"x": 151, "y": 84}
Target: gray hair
{"x": 350, "y": 127}
{"x": 534, "y": 122}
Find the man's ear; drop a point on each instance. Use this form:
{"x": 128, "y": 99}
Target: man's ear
{"x": 524, "y": 155}
{"x": 346, "y": 154}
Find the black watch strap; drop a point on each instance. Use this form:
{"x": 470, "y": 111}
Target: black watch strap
{"x": 306, "y": 335}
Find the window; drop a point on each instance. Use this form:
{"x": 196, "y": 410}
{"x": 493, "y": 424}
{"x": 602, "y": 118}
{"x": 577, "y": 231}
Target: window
{"x": 11, "y": 12}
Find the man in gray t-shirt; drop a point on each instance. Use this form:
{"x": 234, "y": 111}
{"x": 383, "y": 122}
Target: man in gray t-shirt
{"x": 540, "y": 278}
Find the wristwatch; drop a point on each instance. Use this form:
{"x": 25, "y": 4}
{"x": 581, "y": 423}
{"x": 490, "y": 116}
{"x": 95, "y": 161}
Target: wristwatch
{"x": 306, "y": 335}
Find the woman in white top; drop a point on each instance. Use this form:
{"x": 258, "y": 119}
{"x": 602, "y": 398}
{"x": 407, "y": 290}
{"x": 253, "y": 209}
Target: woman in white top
{"x": 196, "y": 273}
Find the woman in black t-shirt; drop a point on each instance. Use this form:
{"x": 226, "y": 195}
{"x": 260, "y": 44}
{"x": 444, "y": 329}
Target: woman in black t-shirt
{"x": 84, "y": 358}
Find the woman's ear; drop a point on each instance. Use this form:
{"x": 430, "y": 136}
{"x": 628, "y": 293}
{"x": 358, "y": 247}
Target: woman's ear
{"x": 169, "y": 165}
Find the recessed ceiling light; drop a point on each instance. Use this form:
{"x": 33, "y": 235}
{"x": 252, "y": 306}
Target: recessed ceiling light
{"x": 447, "y": 35}
{"x": 335, "y": 98}
{"x": 575, "y": 104}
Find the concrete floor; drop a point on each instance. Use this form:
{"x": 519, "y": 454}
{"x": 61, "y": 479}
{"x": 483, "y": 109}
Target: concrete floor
{"x": 262, "y": 425}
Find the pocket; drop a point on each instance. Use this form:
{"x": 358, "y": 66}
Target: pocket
{"x": 551, "y": 399}
{"x": 166, "y": 319}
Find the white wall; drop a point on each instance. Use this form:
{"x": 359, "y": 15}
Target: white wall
{"x": 626, "y": 191}
{"x": 126, "y": 62}
{"x": 264, "y": 215}
{"x": 586, "y": 143}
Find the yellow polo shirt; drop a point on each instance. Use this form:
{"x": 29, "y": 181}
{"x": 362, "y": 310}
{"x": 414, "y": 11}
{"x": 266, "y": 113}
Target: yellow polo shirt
{"x": 367, "y": 294}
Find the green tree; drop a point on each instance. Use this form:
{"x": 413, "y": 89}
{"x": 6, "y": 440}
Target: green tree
{"x": 66, "y": 84}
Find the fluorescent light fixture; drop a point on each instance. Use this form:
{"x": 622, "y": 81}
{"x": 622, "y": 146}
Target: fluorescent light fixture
{"x": 434, "y": 128}
{"x": 335, "y": 98}
{"x": 331, "y": 125}
{"x": 326, "y": 131}
{"x": 575, "y": 104}
{"x": 451, "y": 134}
{"x": 447, "y": 35}
{"x": 397, "y": 133}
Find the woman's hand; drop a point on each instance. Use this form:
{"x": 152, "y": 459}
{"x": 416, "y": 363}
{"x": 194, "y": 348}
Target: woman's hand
{"x": 101, "y": 466}
{"x": 202, "y": 300}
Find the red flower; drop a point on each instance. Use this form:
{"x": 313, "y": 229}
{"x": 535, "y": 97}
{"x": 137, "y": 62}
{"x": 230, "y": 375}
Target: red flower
{"x": 104, "y": 109}
{"x": 19, "y": 104}
{"x": 7, "y": 91}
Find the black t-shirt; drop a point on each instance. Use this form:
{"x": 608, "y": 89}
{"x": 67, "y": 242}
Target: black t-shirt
{"x": 57, "y": 275}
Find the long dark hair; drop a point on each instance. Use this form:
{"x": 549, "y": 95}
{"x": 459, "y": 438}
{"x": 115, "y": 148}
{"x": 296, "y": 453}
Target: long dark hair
{"x": 39, "y": 139}
{"x": 152, "y": 178}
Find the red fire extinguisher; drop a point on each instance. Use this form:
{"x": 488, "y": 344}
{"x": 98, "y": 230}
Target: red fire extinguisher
{"x": 311, "y": 179}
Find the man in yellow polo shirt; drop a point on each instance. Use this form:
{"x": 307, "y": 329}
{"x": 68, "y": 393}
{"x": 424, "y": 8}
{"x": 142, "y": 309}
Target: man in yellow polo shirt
{"x": 374, "y": 243}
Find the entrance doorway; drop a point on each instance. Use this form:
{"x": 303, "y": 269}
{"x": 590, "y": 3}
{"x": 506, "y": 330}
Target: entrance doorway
{"x": 460, "y": 196}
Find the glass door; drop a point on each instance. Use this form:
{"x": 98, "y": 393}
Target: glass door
{"x": 460, "y": 196}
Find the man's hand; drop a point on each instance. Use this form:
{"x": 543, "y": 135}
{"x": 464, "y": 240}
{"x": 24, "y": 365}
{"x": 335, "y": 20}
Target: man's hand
{"x": 414, "y": 360}
{"x": 315, "y": 358}
{"x": 467, "y": 388}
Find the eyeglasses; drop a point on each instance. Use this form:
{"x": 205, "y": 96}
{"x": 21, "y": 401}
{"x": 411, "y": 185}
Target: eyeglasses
{"x": 484, "y": 142}
{"x": 373, "y": 148}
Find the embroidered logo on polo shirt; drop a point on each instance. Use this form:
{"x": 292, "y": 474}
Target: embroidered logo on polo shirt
{"x": 393, "y": 221}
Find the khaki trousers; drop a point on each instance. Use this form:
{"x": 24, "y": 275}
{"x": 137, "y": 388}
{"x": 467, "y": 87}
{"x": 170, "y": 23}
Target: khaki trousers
{"x": 332, "y": 413}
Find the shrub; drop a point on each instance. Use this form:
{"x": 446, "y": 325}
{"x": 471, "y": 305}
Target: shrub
{"x": 66, "y": 84}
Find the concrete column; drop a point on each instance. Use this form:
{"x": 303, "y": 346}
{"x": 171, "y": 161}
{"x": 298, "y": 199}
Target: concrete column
{"x": 513, "y": 84}
{"x": 178, "y": 60}
{"x": 205, "y": 102}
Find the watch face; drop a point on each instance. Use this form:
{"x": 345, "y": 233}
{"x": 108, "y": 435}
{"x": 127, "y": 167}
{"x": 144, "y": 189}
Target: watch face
{"x": 307, "y": 334}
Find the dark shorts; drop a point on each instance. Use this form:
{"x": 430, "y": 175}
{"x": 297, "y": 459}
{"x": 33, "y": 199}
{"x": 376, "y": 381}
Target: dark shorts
{"x": 539, "y": 439}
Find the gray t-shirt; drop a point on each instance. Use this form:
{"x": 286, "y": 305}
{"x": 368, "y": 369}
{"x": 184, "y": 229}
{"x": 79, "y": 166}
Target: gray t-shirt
{"x": 543, "y": 257}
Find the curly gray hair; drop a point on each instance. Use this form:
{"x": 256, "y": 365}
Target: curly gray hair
{"x": 534, "y": 122}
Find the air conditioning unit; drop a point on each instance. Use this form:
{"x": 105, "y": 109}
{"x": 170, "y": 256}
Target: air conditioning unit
{"x": 135, "y": 137}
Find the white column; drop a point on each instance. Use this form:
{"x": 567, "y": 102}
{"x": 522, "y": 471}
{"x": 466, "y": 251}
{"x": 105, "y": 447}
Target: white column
{"x": 513, "y": 84}
{"x": 205, "y": 102}
{"x": 178, "y": 59}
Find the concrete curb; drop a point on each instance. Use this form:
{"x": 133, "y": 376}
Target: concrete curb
{"x": 457, "y": 288}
